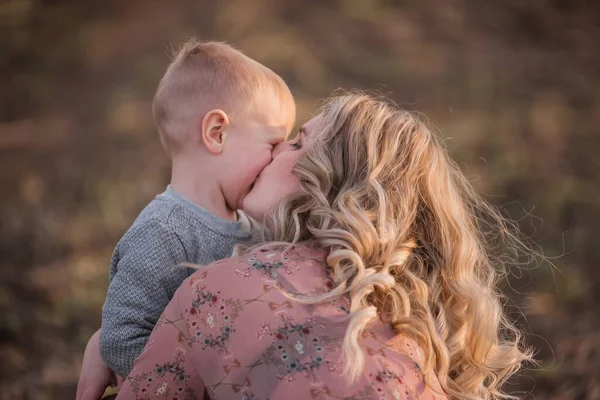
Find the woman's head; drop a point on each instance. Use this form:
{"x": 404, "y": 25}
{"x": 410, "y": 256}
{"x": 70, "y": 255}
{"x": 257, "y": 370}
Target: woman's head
{"x": 409, "y": 240}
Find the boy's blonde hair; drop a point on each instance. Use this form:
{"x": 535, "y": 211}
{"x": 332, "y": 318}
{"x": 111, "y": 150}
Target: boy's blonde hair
{"x": 212, "y": 75}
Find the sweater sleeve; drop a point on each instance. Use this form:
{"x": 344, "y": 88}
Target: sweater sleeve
{"x": 147, "y": 276}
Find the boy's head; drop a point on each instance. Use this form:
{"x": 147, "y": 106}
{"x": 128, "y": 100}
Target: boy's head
{"x": 216, "y": 105}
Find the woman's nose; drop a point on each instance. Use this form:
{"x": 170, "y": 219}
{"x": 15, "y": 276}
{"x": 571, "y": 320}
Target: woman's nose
{"x": 277, "y": 149}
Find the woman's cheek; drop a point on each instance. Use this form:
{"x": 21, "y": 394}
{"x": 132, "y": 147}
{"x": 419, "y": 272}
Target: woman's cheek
{"x": 288, "y": 182}
{"x": 262, "y": 161}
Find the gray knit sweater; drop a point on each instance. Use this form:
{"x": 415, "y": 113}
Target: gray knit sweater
{"x": 144, "y": 274}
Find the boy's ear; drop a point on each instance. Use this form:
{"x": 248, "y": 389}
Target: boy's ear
{"x": 214, "y": 130}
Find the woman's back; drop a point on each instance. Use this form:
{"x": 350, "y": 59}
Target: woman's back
{"x": 240, "y": 337}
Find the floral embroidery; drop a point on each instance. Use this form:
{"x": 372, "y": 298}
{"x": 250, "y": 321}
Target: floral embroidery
{"x": 210, "y": 320}
{"x": 168, "y": 380}
{"x": 266, "y": 267}
{"x": 246, "y": 272}
{"x": 289, "y": 341}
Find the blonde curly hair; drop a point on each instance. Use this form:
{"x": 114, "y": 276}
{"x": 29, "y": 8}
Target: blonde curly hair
{"x": 409, "y": 240}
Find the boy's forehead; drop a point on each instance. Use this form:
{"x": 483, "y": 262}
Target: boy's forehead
{"x": 277, "y": 123}
{"x": 276, "y": 131}
{"x": 279, "y": 116}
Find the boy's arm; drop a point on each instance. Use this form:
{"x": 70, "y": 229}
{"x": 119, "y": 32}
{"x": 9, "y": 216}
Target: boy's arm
{"x": 147, "y": 277}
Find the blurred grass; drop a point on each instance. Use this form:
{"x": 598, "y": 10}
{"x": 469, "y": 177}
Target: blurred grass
{"x": 513, "y": 86}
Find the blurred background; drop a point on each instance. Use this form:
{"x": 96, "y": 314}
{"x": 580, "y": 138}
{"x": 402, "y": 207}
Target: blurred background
{"x": 513, "y": 86}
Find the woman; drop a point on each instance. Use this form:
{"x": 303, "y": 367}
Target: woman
{"x": 380, "y": 283}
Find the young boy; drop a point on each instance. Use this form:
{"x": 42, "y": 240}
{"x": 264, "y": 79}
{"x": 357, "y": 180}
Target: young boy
{"x": 219, "y": 114}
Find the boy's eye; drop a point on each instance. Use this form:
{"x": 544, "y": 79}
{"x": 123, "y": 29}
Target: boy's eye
{"x": 296, "y": 146}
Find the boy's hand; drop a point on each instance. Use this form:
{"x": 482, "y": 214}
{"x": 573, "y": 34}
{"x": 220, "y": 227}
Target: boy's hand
{"x": 95, "y": 376}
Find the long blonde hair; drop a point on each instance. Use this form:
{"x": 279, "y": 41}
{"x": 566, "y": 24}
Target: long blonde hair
{"x": 409, "y": 241}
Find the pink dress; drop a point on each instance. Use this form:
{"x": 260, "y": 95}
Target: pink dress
{"x": 229, "y": 332}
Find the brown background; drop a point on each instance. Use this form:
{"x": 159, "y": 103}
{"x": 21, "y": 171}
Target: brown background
{"x": 512, "y": 84}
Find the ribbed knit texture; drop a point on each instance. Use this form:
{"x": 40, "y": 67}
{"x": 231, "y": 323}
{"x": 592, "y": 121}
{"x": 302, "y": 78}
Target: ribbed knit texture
{"x": 144, "y": 271}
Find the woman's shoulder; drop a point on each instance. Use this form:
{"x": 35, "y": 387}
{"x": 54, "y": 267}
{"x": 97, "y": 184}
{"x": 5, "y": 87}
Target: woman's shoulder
{"x": 301, "y": 265}
{"x": 271, "y": 257}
